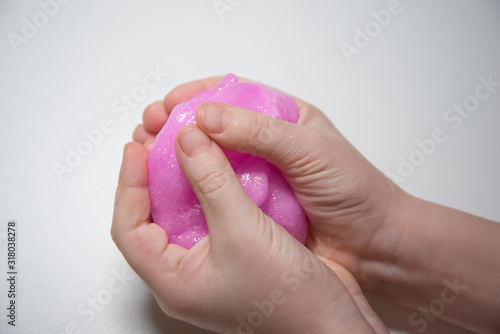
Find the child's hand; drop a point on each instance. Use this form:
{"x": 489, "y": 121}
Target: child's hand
{"x": 349, "y": 203}
{"x": 249, "y": 273}
{"x": 403, "y": 248}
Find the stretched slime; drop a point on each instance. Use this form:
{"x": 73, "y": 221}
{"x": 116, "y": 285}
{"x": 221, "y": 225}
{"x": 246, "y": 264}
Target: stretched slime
{"x": 174, "y": 205}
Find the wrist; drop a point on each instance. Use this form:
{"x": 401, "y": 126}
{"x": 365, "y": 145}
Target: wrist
{"x": 335, "y": 319}
{"x": 428, "y": 254}
{"x": 328, "y": 303}
{"x": 383, "y": 257}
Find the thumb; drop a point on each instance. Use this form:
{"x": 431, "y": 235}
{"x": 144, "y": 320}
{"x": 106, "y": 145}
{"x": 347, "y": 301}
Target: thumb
{"x": 279, "y": 142}
{"x": 227, "y": 208}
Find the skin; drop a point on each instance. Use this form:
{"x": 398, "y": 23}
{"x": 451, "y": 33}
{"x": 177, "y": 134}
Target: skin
{"x": 247, "y": 259}
{"x": 362, "y": 225}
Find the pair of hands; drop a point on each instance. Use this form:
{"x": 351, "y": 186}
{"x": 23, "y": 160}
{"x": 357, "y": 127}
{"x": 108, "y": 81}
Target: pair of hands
{"x": 249, "y": 275}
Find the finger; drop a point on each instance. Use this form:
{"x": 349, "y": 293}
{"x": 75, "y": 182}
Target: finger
{"x": 184, "y": 92}
{"x": 148, "y": 144}
{"x": 141, "y": 135}
{"x": 282, "y": 143}
{"x": 132, "y": 206}
{"x": 309, "y": 115}
{"x": 155, "y": 116}
{"x": 227, "y": 208}
{"x": 141, "y": 242}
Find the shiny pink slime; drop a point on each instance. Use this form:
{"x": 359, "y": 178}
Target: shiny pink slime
{"x": 174, "y": 205}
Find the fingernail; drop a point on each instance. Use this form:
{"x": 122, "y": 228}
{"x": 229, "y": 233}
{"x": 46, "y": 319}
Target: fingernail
{"x": 191, "y": 139}
{"x": 213, "y": 118}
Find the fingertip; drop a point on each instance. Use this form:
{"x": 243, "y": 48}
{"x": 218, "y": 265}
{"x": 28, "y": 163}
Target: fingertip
{"x": 126, "y": 152}
{"x": 133, "y": 172}
{"x": 155, "y": 116}
{"x": 190, "y": 139}
{"x": 141, "y": 135}
{"x": 132, "y": 148}
{"x": 148, "y": 144}
{"x": 212, "y": 117}
{"x": 198, "y": 113}
{"x": 173, "y": 98}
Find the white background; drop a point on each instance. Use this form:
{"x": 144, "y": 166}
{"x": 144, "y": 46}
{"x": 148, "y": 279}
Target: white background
{"x": 65, "y": 79}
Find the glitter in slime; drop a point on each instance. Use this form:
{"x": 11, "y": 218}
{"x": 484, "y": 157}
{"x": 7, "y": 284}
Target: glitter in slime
{"x": 174, "y": 205}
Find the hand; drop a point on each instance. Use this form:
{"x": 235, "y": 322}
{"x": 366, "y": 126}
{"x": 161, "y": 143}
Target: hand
{"x": 249, "y": 275}
{"x": 348, "y": 202}
{"x": 359, "y": 219}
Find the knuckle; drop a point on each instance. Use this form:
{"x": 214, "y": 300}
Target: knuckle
{"x": 247, "y": 148}
{"x": 212, "y": 182}
{"x": 258, "y": 133}
{"x": 260, "y": 127}
{"x": 176, "y": 92}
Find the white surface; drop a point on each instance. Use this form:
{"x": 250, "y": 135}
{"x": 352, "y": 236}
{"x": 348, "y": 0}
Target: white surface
{"x": 66, "y": 78}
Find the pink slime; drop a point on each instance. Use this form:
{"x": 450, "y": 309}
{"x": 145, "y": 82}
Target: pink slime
{"x": 174, "y": 205}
